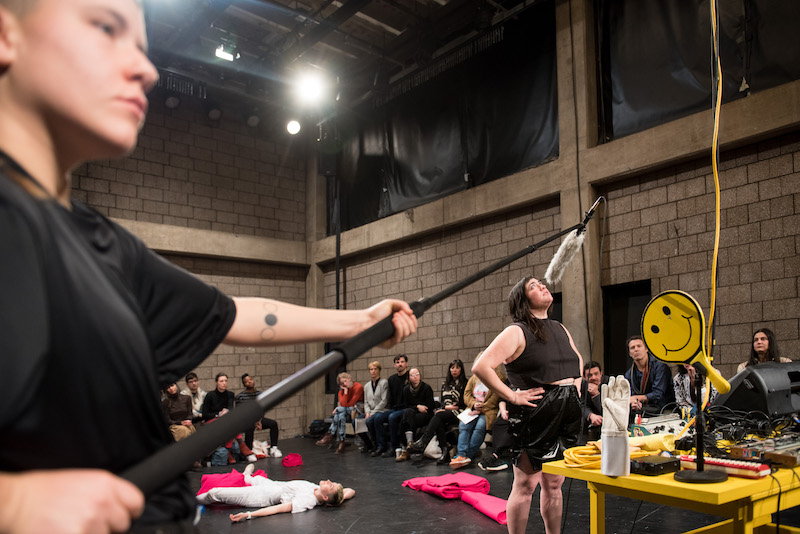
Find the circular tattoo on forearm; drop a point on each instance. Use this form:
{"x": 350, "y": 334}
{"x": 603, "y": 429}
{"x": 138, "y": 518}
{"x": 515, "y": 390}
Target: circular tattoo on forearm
{"x": 270, "y": 320}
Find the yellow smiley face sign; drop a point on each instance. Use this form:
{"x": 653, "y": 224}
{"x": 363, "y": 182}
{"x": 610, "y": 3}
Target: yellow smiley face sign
{"x": 673, "y": 329}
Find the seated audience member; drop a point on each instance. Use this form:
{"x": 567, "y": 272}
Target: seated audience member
{"x": 452, "y": 402}
{"x": 418, "y": 399}
{"x": 249, "y": 394}
{"x": 351, "y": 397}
{"x": 275, "y": 496}
{"x": 501, "y": 441}
{"x": 649, "y": 378}
{"x": 217, "y": 403}
{"x": 197, "y": 394}
{"x": 685, "y": 394}
{"x": 178, "y": 412}
{"x": 763, "y": 349}
{"x": 591, "y": 399}
{"x": 375, "y": 423}
{"x": 376, "y": 400}
{"x": 482, "y": 403}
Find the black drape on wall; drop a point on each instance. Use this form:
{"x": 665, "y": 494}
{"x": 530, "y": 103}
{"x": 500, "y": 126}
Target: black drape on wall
{"x": 488, "y": 116}
{"x": 656, "y": 57}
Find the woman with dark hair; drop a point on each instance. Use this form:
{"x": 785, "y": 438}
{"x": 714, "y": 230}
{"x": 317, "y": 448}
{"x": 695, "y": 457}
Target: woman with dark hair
{"x": 685, "y": 394}
{"x": 452, "y": 402}
{"x": 541, "y": 360}
{"x": 763, "y": 349}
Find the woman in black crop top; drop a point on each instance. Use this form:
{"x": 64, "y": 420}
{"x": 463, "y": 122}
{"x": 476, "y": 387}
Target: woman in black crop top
{"x": 542, "y": 363}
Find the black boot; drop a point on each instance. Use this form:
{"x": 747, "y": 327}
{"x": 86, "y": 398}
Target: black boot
{"x": 418, "y": 447}
{"x": 445, "y": 457}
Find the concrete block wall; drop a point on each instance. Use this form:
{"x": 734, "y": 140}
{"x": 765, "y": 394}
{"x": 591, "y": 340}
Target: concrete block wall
{"x": 464, "y": 324}
{"x": 267, "y": 365}
{"x": 188, "y": 171}
{"x": 661, "y": 227}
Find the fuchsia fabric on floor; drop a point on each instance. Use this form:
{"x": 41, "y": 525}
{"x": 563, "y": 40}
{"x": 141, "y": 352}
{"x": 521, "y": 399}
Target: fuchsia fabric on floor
{"x": 234, "y": 479}
{"x": 292, "y": 460}
{"x": 449, "y": 486}
{"x": 472, "y": 489}
{"x": 488, "y": 505}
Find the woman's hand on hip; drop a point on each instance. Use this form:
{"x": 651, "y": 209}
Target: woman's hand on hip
{"x": 525, "y": 397}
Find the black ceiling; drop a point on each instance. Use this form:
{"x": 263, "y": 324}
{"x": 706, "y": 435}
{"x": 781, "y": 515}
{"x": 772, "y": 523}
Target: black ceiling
{"x": 365, "y": 43}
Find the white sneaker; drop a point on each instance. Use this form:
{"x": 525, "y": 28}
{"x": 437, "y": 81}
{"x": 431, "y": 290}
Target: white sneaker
{"x": 249, "y": 470}
{"x": 252, "y": 458}
{"x": 275, "y": 452}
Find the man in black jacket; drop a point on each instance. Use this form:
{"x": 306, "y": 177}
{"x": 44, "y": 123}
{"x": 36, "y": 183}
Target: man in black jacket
{"x": 591, "y": 399}
{"x": 395, "y": 412}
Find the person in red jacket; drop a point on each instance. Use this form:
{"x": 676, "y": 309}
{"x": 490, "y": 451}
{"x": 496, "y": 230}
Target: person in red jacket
{"x": 351, "y": 401}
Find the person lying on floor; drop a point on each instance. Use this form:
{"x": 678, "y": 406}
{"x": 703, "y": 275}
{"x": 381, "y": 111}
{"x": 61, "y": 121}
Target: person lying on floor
{"x": 275, "y": 496}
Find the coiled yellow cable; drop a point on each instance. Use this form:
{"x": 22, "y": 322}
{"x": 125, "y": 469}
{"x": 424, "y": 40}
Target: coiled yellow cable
{"x": 588, "y": 457}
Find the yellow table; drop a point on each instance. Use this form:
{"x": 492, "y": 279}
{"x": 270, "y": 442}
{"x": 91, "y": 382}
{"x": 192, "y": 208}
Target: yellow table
{"x": 748, "y": 503}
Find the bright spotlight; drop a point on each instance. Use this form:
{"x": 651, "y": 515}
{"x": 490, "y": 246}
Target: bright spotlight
{"x": 310, "y": 88}
{"x": 227, "y": 52}
{"x": 293, "y": 127}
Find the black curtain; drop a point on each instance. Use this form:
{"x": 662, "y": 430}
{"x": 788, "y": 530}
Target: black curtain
{"x": 656, "y": 57}
{"x": 488, "y": 116}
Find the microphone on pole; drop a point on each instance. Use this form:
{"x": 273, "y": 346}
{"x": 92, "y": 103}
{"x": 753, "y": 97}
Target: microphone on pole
{"x": 589, "y": 214}
{"x": 569, "y": 247}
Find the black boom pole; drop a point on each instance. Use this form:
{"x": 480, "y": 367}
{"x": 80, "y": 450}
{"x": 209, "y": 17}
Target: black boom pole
{"x": 157, "y": 470}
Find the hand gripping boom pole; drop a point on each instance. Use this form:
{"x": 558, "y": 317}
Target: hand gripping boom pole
{"x": 157, "y": 470}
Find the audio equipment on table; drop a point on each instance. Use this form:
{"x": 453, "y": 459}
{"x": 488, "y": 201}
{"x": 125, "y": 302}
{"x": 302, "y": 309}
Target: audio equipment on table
{"x": 655, "y": 465}
{"x": 736, "y": 468}
{"x": 783, "y": 450}
{"x": 663, "y": 424}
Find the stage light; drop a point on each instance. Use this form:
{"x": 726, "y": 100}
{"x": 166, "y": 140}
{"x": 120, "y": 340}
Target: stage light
{"x": 172, "y": 102}
{"x": 293, "y": 127}
{"x": 310, "y": 88}
{"x": 252, "y": 116}
{"x": 214, "y": 112}
{"x": 227, "y": 52}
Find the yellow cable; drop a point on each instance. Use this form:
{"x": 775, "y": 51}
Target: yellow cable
{"x": 588, "y": 457}
{"x": 714, "y": 146}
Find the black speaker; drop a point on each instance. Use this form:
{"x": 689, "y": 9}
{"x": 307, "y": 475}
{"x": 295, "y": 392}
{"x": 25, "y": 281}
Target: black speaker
{"x": 772, "y": 388}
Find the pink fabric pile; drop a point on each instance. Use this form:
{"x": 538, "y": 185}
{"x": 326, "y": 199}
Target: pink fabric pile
{"x": 471, "y": 489}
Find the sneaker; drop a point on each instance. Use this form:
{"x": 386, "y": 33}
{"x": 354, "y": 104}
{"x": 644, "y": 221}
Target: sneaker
{"x": 251, "y": 458}
{"x": 275, "y": 452}
{"x": 459, "y": 461}
{"x": 249, "y": 470}
{"x": 493, "y": 463}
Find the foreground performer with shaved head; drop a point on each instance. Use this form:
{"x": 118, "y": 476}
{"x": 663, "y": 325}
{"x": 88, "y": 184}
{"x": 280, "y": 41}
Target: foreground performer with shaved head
{"x": 89, "y": 316}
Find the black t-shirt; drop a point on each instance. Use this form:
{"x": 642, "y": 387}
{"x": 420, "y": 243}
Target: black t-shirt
{"x": 93, "y": 325}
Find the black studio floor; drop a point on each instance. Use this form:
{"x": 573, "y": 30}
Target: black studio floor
{"x": 382, "y": 505}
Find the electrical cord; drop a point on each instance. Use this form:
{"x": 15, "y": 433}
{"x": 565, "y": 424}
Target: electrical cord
{"x": 717, "y": 101}
{"x": 564, "y": 513}
{"x": 636, "y": 516}
{"x": 778, "y": 511}
{"x": 589, "y": 456}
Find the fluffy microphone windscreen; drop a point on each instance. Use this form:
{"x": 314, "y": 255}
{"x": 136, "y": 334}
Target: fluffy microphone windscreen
{"x": 569, "y": 247}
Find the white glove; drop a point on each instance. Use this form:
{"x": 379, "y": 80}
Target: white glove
{"x": 616, "y": 397}
{"x": 615, "y": 459}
